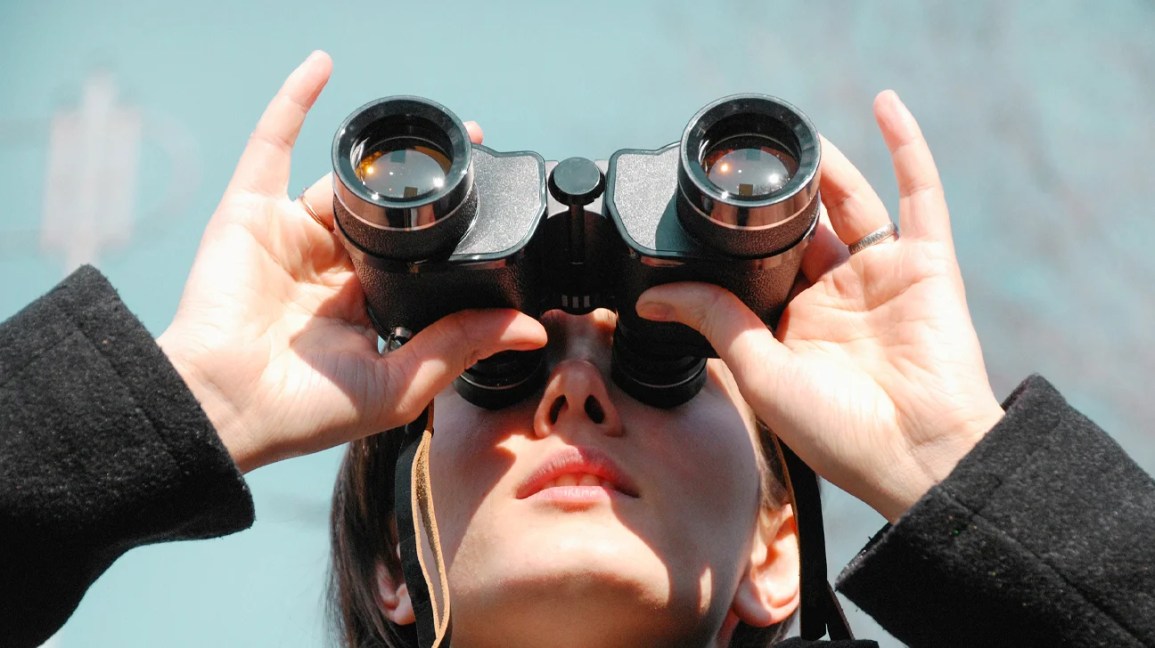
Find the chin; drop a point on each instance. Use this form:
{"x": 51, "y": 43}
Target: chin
{"x": 582, "y": 613}
{"x": 590, "y": 589}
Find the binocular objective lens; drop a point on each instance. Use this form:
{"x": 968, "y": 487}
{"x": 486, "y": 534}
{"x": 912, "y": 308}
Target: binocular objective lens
{"x": 749, "y": 166}
{"x": 403, "y": 182}
{"x": 404, "y": 168}
{"x": 748, "y": 176}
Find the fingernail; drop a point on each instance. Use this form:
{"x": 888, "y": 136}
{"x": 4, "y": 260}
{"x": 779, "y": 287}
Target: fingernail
{"x": 655, "y": 311}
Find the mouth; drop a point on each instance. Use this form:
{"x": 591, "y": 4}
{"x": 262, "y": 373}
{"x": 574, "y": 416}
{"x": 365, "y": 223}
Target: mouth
{"x": 576, "y": 475}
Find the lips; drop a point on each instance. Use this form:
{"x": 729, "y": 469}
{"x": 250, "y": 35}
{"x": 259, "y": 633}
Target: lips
{"x": 577, "y": 468}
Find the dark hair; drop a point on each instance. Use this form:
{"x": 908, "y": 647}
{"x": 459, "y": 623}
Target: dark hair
{"x": 363, "y": 533}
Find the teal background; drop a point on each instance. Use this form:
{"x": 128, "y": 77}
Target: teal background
{"x": 1039, "y": 115}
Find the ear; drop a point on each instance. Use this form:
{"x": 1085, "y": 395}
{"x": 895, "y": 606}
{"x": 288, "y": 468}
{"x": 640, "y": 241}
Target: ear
{"x": 768, "y": 592}
{"x": 393, "y": 597}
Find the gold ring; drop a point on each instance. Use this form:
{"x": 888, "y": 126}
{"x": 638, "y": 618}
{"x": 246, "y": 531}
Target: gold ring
{"x": 312, "y": 212}
{"x": 886, "y": 232}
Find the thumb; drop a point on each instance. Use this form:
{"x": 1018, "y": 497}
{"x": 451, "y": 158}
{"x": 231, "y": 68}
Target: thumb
{"x": 741, "y": 339}
{"x": 428, "y": 363}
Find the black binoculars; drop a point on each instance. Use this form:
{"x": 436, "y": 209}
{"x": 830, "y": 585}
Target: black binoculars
{"x": 435, "y": 224}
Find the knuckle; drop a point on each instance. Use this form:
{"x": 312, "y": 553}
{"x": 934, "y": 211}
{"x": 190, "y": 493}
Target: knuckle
{"x": 296, "y": 104}
{"x": 464, "y": 342}
{"x": 395, "y": 374}
{"x": 271, "y": 138}
{"x": 714, "y": 311}
{"x": 922, "y": 184}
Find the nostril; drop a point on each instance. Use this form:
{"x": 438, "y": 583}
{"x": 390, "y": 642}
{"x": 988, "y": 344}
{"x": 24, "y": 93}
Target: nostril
{"x": 555, "y": 409}
{"x": 594, "y": 410}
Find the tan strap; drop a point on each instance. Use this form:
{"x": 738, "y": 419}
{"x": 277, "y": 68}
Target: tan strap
{"x": 431, "y": 558}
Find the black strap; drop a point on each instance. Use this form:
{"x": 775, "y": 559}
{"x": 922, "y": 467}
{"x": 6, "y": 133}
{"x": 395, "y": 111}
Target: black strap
{"x": 821, "y": 611}
{"x": 799, "y": 642}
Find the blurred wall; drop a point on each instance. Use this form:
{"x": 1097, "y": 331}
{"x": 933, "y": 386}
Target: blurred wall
{"x": 1039, "y": 115}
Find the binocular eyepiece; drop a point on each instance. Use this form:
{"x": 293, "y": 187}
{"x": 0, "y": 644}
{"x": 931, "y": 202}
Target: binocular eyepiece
{"x": 435, "y": 224}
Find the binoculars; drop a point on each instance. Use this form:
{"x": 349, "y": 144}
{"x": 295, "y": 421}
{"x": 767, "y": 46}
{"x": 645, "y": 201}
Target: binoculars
{"x": 435, "y": 224}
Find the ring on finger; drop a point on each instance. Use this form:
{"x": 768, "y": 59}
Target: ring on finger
{"x": 312, "y": 212}
{"x": 884, "y": 233}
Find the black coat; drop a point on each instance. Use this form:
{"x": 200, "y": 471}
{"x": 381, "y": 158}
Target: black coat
{"x": 1043, "y": 535}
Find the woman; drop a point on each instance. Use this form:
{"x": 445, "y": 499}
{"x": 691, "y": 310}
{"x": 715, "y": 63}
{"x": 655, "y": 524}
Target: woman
{"x": 874, "y": 377}
{"x": 667, "y": 526}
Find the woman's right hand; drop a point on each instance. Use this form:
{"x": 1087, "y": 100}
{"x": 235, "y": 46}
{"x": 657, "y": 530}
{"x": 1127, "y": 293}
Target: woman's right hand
{"x": 272, "y": 336}
{"x": 876, "y": 378}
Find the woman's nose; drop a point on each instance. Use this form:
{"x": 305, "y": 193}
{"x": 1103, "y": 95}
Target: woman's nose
{"x": 575, "y": 397}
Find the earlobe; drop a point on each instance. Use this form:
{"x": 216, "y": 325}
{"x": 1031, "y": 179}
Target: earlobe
{"x": 768, "y": 592}
{"x": 393, "y": 597}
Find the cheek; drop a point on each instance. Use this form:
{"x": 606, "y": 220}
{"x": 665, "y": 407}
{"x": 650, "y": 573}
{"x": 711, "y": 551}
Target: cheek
{"x": 467, "y": 464}
{"x": 715, "y": 469}
{"x": 703, "y": 459}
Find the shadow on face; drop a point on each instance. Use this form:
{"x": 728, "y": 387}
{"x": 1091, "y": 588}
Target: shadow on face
{"x": 582, "y": 504}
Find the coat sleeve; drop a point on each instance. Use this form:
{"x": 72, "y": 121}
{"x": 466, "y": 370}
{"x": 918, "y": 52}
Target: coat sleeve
{"x": 102, "y": 448}
{"x": 1044, "y": 535}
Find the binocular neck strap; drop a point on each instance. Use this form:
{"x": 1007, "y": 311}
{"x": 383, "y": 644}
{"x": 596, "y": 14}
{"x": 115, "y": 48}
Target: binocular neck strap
{"x": 421, "y": 558}
{"x": 821, "y": 611}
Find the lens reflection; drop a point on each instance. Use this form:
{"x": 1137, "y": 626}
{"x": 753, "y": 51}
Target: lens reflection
{"x": 749, "y": 166}
{"x": 403, "y": 168}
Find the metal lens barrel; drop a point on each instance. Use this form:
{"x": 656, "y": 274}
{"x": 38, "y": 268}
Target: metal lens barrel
{"x": 748, "y": 176}
{"x": 404, "y": 179}
{"x": 747, "y": 191}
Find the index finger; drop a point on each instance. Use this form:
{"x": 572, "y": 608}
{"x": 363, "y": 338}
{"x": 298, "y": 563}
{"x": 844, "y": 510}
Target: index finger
{"x": 264, "y": 165}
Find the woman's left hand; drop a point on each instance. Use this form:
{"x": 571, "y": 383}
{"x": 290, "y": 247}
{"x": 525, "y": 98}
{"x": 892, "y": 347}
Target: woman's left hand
{"x": 876, "y": 378}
